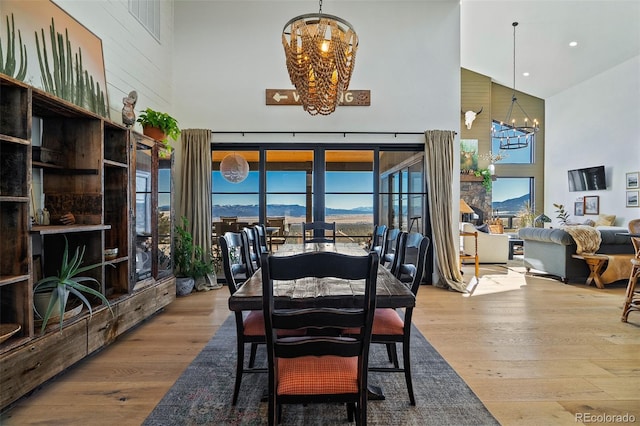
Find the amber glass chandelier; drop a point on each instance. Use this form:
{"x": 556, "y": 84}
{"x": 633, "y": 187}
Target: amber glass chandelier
{"x": 510, "y": 133}
{"x": 321, "y": 51}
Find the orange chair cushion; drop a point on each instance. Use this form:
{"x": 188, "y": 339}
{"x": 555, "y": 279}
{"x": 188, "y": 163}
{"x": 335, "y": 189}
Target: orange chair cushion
{"x": 387, "y": 321}
{"x": 254, "y": 326}
{"x": 317, "y": 375}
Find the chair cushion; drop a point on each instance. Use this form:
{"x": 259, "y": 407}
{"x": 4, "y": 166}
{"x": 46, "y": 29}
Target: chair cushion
{"x": 254, "y": 326}
{"x": 317, "y": 375}
{"x": 387, "y": 321}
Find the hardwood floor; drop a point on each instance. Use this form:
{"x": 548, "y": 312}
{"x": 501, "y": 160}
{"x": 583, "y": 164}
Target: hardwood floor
{"x": 534, "y": 350}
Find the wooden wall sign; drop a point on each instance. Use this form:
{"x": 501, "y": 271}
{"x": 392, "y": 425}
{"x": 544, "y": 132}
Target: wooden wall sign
{"x": 291, "y": 97}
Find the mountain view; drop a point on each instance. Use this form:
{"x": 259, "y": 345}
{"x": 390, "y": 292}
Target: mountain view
{"x": 511, "y": 206}
{"x": 292, "y": 210}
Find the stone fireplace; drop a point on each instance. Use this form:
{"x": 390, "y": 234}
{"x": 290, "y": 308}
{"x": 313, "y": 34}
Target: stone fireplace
{"x": 478, "y": 198}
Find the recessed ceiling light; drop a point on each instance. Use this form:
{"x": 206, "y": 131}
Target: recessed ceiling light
{"x": 573, "y": 44}
{"x": 526, "y": 74}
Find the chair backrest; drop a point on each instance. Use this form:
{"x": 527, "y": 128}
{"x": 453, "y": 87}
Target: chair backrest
{"x": 379, "y": 239}
{"x": 235, "y": 259}
{"x": 398, "y": 253}
{"x": 254, "y": 252}
{"x": 319, "y": 232}
{"x": 228, "y": 219}
{"x": 634, "y": 228}
{"x": 319, "y": 265}
{"x": 261, "y": 234}
{"x": 277, "y": 221}
{"x": 392, "y": 234}
{"x": 416, "y": 271}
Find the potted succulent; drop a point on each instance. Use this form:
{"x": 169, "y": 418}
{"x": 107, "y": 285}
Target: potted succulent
{"x": 188, "y": 260}
{"x": 67, "y": 282}
{"x": 159, "y": 125}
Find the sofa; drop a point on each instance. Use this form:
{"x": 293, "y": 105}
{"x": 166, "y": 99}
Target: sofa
{"x": 492, "y": 248}
{"x": 550, "y": 251}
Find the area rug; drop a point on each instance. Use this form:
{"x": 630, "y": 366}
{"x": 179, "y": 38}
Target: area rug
{"x": 202, "y": 394}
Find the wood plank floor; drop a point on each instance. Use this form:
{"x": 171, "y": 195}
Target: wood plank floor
{"x": 534, "y": 350}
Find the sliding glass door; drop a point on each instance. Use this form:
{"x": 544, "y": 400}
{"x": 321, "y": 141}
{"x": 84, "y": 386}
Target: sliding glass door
{"x": 354, "y": 186}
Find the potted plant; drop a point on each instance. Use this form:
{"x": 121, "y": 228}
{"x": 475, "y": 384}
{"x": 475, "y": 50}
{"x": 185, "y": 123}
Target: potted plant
{"x": 563, "y": 215}
{"x": 159, "y": 125}
{"x": 65, "y": 283}
{"x": 188, "y": 260}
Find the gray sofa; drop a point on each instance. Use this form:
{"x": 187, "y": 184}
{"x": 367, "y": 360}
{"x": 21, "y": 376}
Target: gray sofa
{"x": 550, "y": 251}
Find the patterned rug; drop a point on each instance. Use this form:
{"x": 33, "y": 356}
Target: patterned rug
{"x": 202, "y": 394}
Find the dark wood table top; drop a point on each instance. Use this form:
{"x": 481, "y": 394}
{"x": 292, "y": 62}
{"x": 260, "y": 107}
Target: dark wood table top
{"x": 322, "y": 292}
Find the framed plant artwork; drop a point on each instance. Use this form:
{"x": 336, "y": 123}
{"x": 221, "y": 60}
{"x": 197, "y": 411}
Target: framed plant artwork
{"x": 57, "y": 53}
{"x": 592, "y": 204}
{"x": 632, "y": 180}
{"x": 578, "y": 208}
{"x": 632, "y": 198}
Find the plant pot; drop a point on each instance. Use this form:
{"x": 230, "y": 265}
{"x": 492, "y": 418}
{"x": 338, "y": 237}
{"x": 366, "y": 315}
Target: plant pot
{"x": 184, "y": 286}
{"x": 154, "y": 132}
{"x": 41, "y": 302}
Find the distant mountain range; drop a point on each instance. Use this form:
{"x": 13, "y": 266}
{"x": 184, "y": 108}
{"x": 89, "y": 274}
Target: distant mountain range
{"x": 511, "y": 206}
{"x": 294, "y": 210}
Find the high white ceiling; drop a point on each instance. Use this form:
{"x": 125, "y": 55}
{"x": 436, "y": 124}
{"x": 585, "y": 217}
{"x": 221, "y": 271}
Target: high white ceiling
{"x": 607, "y": 32}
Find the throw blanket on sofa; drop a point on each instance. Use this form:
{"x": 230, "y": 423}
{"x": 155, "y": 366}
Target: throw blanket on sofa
{"x": 587, "y": 238}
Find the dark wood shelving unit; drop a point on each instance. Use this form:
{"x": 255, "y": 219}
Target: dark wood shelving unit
{"x": 94, "y": 179}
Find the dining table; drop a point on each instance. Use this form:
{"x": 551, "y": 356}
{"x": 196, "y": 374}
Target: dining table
{"x": 314, "y": 292}
{"x": 327, "y": 292}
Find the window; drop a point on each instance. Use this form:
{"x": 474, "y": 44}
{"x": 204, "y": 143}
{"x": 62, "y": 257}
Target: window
{"x": 515, "y": 156}
{"x": 510, "y": 197}
{"x": 147, "y": 12}
{"x": 328, "y": 183}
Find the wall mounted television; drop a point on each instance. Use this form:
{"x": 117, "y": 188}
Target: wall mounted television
{"x": 587, "y": 179}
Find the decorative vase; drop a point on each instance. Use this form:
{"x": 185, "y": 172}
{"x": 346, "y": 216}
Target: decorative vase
{"x": 184, "y": 285}
{"x": 154, "y": 132}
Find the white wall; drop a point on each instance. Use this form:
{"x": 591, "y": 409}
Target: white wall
{"x": 134, "y": 60}
{"x": 228, "y": 52}
{"x": 591, "y": 124}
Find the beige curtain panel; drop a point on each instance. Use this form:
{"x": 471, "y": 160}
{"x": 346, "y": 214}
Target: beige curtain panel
{"x": 195, "y": 200}
{"x": 439, "y": 156}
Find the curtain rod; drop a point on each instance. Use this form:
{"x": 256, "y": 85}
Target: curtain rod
{"x": 344, "y": 134}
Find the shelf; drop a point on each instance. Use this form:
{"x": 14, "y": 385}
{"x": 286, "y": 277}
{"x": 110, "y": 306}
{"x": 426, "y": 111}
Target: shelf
{"x": 10, "y": 199}
{"x": 11, "y": 279}
{"x": 63, "y": 170}
{"x": 115, "y": 164}
{"x": 117, "y": 260}
{"x": 65, "y": 229}
{"x": 12, "y": 139}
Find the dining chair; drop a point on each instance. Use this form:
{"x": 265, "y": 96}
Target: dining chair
{"x": 379, "y": 239}
{"x": 280, "y": 236}
{"x": 316, "y": 232}
{"x": 254, "y": 253}
{"x": 261, "y": 234}
{"x": 398, "y": 253}
{"x": 632, "y": 296}
{"x": 322, "y": 366}
{"x": 389, "y": 327}
{"x": 249, "y": 325}
{"x": 389, "y": 247}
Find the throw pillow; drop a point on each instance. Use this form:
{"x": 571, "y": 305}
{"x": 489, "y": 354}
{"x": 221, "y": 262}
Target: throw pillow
{"x": 483, "y": 228}
{"x": 606, "y": 220}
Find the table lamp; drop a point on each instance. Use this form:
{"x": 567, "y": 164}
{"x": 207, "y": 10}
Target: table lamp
{"x": 540, "y": 220}
{"x": 465, "y": 209}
